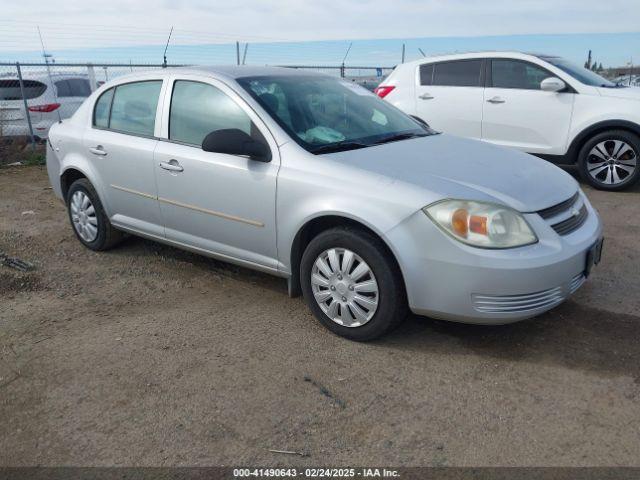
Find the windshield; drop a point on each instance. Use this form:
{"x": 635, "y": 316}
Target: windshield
{"x": 325, "y": 114}
{"x": 580, "y": 73}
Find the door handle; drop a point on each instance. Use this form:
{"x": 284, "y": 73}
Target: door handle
{"x": 426, "y": 96}
{"x": 99, "y": 150}
{"x": 496, "y": 100}
{"x": 172, "y": 166}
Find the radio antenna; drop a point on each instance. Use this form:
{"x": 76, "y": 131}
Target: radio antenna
{"x": 345, "y": 55}
{"x": 164, "y": 63}
{"x": 46, "y": 57}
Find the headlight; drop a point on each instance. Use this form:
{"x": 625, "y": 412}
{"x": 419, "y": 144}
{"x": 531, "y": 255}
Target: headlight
{"x": 480, "y": 224}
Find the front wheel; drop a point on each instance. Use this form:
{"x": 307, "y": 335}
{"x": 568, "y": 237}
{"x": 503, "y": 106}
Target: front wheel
{"x": 609, "y": 160}
{"x": 352, "y": 285}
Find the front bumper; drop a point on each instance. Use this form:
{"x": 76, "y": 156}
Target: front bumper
{"x": 448, "y": 280}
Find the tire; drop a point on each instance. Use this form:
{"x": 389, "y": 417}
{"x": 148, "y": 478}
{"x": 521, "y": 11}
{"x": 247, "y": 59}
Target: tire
{"x": 383, "y": 274}
{"x": 614, "y": 169}
{"x": 84, "y": 218}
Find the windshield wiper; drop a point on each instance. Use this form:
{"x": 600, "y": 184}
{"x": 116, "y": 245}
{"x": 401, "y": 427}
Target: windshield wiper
{"x": 400, "y": 136}
{"x": 339, "y": 147}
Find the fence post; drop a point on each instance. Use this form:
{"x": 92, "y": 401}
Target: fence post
{"x": 92, "y": 77}
{"x": 26, "y": 107}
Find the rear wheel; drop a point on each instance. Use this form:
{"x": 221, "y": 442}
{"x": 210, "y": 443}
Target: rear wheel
{"x": 609, "y": 160}
{"x": 352, "y": 285}
{"x": 88, "y": 218}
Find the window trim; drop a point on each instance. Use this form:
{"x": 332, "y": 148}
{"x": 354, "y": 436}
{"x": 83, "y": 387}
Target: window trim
{"x": 122, "y": 132}
{"x": 489, "y": 75}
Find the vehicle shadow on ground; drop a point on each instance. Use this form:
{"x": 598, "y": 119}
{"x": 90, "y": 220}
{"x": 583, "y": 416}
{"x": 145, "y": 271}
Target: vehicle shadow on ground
{"x": 570, "y": 335}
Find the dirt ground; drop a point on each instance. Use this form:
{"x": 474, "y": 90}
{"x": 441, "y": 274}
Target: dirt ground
{"x": 147, "y": 355}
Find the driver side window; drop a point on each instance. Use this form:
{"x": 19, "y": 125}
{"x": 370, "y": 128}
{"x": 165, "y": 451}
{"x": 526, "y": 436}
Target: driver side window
{"x": 198, "y": 109}
{"x": 517, "y": 74}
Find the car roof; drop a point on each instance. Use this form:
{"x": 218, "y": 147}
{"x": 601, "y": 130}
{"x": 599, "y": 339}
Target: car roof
{"x": 481, "y": 54}
{"x": 232, "y": 72}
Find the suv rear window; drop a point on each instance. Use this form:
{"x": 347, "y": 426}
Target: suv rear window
{"x": 460, "y": 73}
{"x": 10, "y": 89}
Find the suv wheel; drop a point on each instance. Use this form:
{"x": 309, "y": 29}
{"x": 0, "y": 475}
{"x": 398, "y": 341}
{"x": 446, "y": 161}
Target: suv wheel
{"x": 609, "y": 161}
{"x": 88, "y": 219}
{"x": 351, "y": 285}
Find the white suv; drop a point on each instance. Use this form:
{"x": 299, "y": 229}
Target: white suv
{"x": 50, "y": 98}
{"x": 543, "y": 105}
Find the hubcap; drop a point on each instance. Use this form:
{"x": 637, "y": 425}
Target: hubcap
{"x": 612, "y": 162}
{"x": 83, "y": 216}
{"x": 344, "y": 287}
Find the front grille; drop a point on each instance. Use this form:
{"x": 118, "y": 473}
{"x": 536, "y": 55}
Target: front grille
{"x": 530, "y": 302}
{"x": 572, "y": 223}
{"x": 576, "y": 282}
{"x": 518, "y": 303}
{"x": 559, "y": 208}
{"x": 571, "y": 217}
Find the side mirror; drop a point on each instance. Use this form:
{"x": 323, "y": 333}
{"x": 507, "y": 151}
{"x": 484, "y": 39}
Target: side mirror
{"x": 552, "y": 84}
{"x": 233, "y": 141}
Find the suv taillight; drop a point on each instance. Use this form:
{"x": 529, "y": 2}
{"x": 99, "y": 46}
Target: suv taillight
{"x": 383, "y": 91}
{"x": 46, "y": 108}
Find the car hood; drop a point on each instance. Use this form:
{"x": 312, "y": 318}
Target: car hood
{"x": 453, "y": 167}
{"x": 629, "y": 93}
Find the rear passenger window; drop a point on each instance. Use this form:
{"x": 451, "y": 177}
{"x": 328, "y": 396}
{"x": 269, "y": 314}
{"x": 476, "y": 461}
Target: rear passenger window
{"x": 79, "y": 87}
{"x": 426, "y": 74}
{"x": 73, "y": 87}
{"x": 198, "y": 109}
{"x": 62, "y": 88}
{"x": 103, "y": 107}
{"x": 134, "y": 105}
{"x": 461, "y": 73}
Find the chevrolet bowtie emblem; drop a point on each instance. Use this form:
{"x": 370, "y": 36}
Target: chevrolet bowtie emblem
{"x": 575, "y": 212}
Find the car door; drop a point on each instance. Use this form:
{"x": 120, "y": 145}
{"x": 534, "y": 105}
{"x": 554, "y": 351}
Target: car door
{"x": 449, "y": 96}
{"x": 120, "y": 144}
{"x": 517, "y": 113}
{"x": 223, "y": 204}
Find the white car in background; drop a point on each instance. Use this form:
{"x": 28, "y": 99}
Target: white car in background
{"x": 543, "y": 105}
{"x": 50, "y": 98}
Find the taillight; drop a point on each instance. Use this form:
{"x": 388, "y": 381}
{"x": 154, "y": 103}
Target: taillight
{"x": 383, "y": 91}
{"x": 46, "y": 108}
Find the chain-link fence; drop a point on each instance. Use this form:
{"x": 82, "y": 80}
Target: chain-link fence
{"x": 33, "y": 96}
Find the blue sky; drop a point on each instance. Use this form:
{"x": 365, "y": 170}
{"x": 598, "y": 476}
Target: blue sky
{"x": 612, "y": 49}
{"x": 309, "y": 31}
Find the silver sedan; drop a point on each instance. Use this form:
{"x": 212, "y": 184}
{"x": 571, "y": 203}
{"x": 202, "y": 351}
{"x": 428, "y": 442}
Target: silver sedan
{"x": 364, "y": 210}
